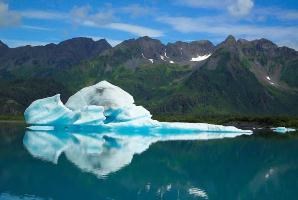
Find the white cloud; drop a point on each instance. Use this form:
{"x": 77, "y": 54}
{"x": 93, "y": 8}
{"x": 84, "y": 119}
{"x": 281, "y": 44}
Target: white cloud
{"x": 105, "y": 19}
{"x": 45, "y": 15}
{"x": 241, "y": 7}
{"x": 8, "y": 17}
{"x": 136, "y": 30}
{"x": 276, "y": 14}
{"x": 39, "y": 28}
{"x": 221, "y": 29}
{"x": 85, "y": 16}
{"x": 205, "y": 3}
{"x": 289, "y": 15}
{"x": 234, "y": 7}
{"x": 136, "y": 10}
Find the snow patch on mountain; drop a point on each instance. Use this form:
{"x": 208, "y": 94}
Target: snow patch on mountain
{"x": 166, "y": 53}
{"x": 200, "y": 58}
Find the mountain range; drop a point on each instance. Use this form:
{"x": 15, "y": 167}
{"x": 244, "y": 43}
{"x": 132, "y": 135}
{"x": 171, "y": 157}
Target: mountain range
{"x": 234, "y": 77}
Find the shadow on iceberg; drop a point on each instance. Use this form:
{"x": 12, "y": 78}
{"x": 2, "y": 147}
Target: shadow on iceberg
{"x": 104, "y": 106}
{"x": 105, "y": 152}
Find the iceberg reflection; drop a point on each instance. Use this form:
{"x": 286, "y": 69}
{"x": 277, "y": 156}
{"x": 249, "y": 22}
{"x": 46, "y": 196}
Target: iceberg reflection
{"x": 104, "y": 151}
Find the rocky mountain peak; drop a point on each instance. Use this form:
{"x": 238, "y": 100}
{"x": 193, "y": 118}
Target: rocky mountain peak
{"x": 230, "y": 40}
{"x": 264, "y": 44}
{"x": 3, "y": 45}
{"x": 84, "y": 42}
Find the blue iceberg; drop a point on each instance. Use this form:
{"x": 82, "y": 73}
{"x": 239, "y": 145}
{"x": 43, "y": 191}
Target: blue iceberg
{"x": 105, "y": 106}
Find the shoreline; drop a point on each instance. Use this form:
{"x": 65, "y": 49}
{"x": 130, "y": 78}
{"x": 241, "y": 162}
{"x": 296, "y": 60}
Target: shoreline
{"x": 13, "y": 121}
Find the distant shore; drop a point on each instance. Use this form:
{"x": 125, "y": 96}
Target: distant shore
{"x": 237, "y": 121}
{"x": 12, "y": 119}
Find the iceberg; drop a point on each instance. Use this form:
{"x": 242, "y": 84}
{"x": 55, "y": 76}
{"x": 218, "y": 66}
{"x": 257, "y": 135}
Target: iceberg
{"x": 283, "y": 129}
{"x": 100, "y": 129}
{"x": 105, "y": 106}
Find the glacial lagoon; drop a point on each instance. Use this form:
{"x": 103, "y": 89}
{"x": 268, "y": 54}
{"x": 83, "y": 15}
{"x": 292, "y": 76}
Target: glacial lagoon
{"x": 101, "y": 145}
{"x": 56, "y": 164}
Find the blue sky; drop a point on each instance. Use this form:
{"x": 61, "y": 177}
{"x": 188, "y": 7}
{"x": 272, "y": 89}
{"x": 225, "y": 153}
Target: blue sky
{"x": 38, "y": 22}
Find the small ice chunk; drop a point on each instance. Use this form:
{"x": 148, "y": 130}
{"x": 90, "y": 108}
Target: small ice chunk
{"x": 283, "y": 129}
{"x": 197, "y": 192}
{"x": 151, "y": 60}
{"x": 172, "y": 62}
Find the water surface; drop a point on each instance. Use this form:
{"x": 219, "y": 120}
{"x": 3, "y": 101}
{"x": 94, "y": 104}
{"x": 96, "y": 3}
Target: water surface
{"x": 68, "y": 165}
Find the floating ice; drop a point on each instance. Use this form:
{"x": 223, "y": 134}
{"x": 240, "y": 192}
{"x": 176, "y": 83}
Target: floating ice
{"x": 283, "y": 129}
{"x": 108, "y": 107}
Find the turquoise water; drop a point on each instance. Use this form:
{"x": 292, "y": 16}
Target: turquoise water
{"x": 63, "y": 165}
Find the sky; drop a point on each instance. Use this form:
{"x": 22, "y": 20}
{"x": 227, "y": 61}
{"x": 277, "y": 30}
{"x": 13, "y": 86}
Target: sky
{"x": 38, "y": 22}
